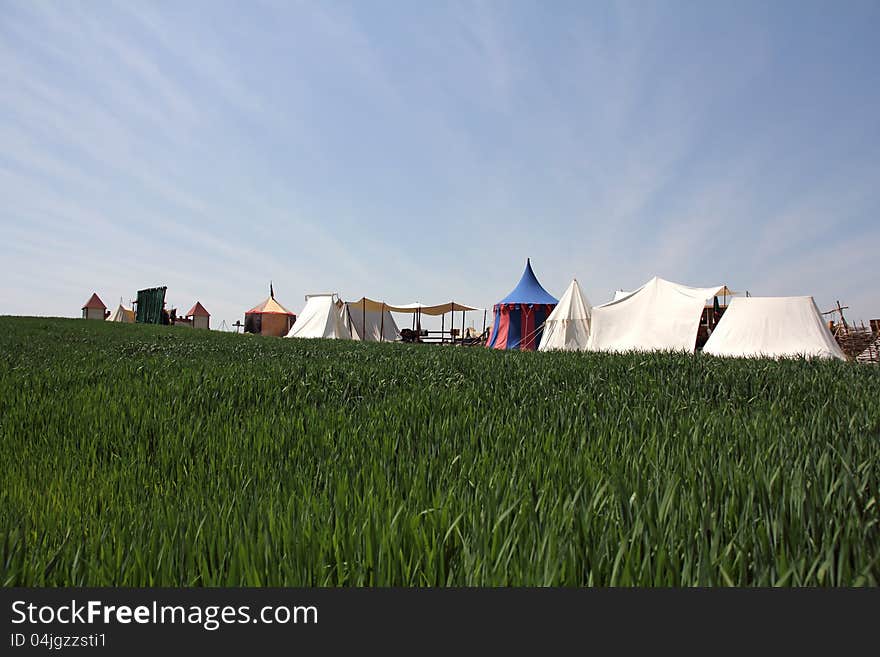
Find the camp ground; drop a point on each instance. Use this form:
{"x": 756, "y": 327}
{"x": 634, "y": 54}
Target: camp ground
{"x": 660, "y": 315}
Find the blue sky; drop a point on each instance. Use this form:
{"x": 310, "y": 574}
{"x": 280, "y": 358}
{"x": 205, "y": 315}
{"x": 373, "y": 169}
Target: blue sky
{"x": 421, "y": 151}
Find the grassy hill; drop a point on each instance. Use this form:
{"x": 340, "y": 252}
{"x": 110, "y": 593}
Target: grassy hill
{"x": 137, "y": 455}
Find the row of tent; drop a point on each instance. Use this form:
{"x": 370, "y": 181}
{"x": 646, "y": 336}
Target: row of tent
{"x": 94, "y": 308}
{"x": 662, "y": 315}
{"x": 326, "y": 316}
{"x": 658, "y": 316}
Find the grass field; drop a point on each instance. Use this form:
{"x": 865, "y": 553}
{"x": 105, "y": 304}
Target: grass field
{"x": 141, "y": 456}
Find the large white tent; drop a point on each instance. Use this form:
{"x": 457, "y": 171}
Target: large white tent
{"x": 660, "y": 315}
{"x": 320, "y": 318}
{"x": 773, "y": 327}
{"x": 567, "y": 328}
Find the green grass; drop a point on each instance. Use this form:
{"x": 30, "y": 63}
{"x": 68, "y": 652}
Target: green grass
{"x": 142, "y": 456}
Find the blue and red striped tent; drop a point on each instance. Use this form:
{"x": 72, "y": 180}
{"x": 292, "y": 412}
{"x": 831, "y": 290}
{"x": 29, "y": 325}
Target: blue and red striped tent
{"x": 519, "y": 317}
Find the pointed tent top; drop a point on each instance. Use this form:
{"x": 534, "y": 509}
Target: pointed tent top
{"x": 94, "y": 302}
{"x": 269, "y": 307}
{"x": 198, "y": 310}
{"x": 529, "y": 290}
{"x": 573, "y": 305}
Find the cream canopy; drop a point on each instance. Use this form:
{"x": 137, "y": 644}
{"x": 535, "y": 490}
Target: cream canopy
{"x": 414, "y": 307}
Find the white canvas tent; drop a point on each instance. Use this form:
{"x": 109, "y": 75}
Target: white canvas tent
{"x": 660, "y": 315}
{"x": 122, "y": 314}
{"x": 567, "y": 328}
{"x": 370, "y": 321}
{"x": 773, "y": 327}
{"x": 320, "y": 318}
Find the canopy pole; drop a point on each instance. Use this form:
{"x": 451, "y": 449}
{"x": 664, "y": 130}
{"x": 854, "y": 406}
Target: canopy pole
{"x": 452, "y": 314}
{"x": 462, "y": 328}
{"x": 484, "y": 321}
{"x": 382, "y": 324}
{"x": 364, "y": 319}
{"x": 442, "y": 328}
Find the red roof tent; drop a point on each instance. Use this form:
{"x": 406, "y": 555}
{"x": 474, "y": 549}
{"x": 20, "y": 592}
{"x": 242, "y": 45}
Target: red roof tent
{"x": 94, "y": 303}
{"x": 198, "y": 310}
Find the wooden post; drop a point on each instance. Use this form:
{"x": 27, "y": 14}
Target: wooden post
{"x": 382, "y": 324}
{"x": 842, "y": 318}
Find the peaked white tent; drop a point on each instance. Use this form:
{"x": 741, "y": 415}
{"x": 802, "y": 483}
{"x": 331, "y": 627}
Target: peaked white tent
{"x": 567, "y": 328}
{"x": 122, "y": 314}
{"x": 660, "y": 315}
{"x": 773, "y": 327}
{"x": 370, "y": 321}
{"x": 320, "y": 318}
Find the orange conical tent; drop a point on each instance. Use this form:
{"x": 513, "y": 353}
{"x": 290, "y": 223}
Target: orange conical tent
{"x": 269, "y": 318}
{"x": 269, "y": 307}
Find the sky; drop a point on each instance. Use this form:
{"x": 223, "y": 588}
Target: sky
{"x": 422, "y": 151}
